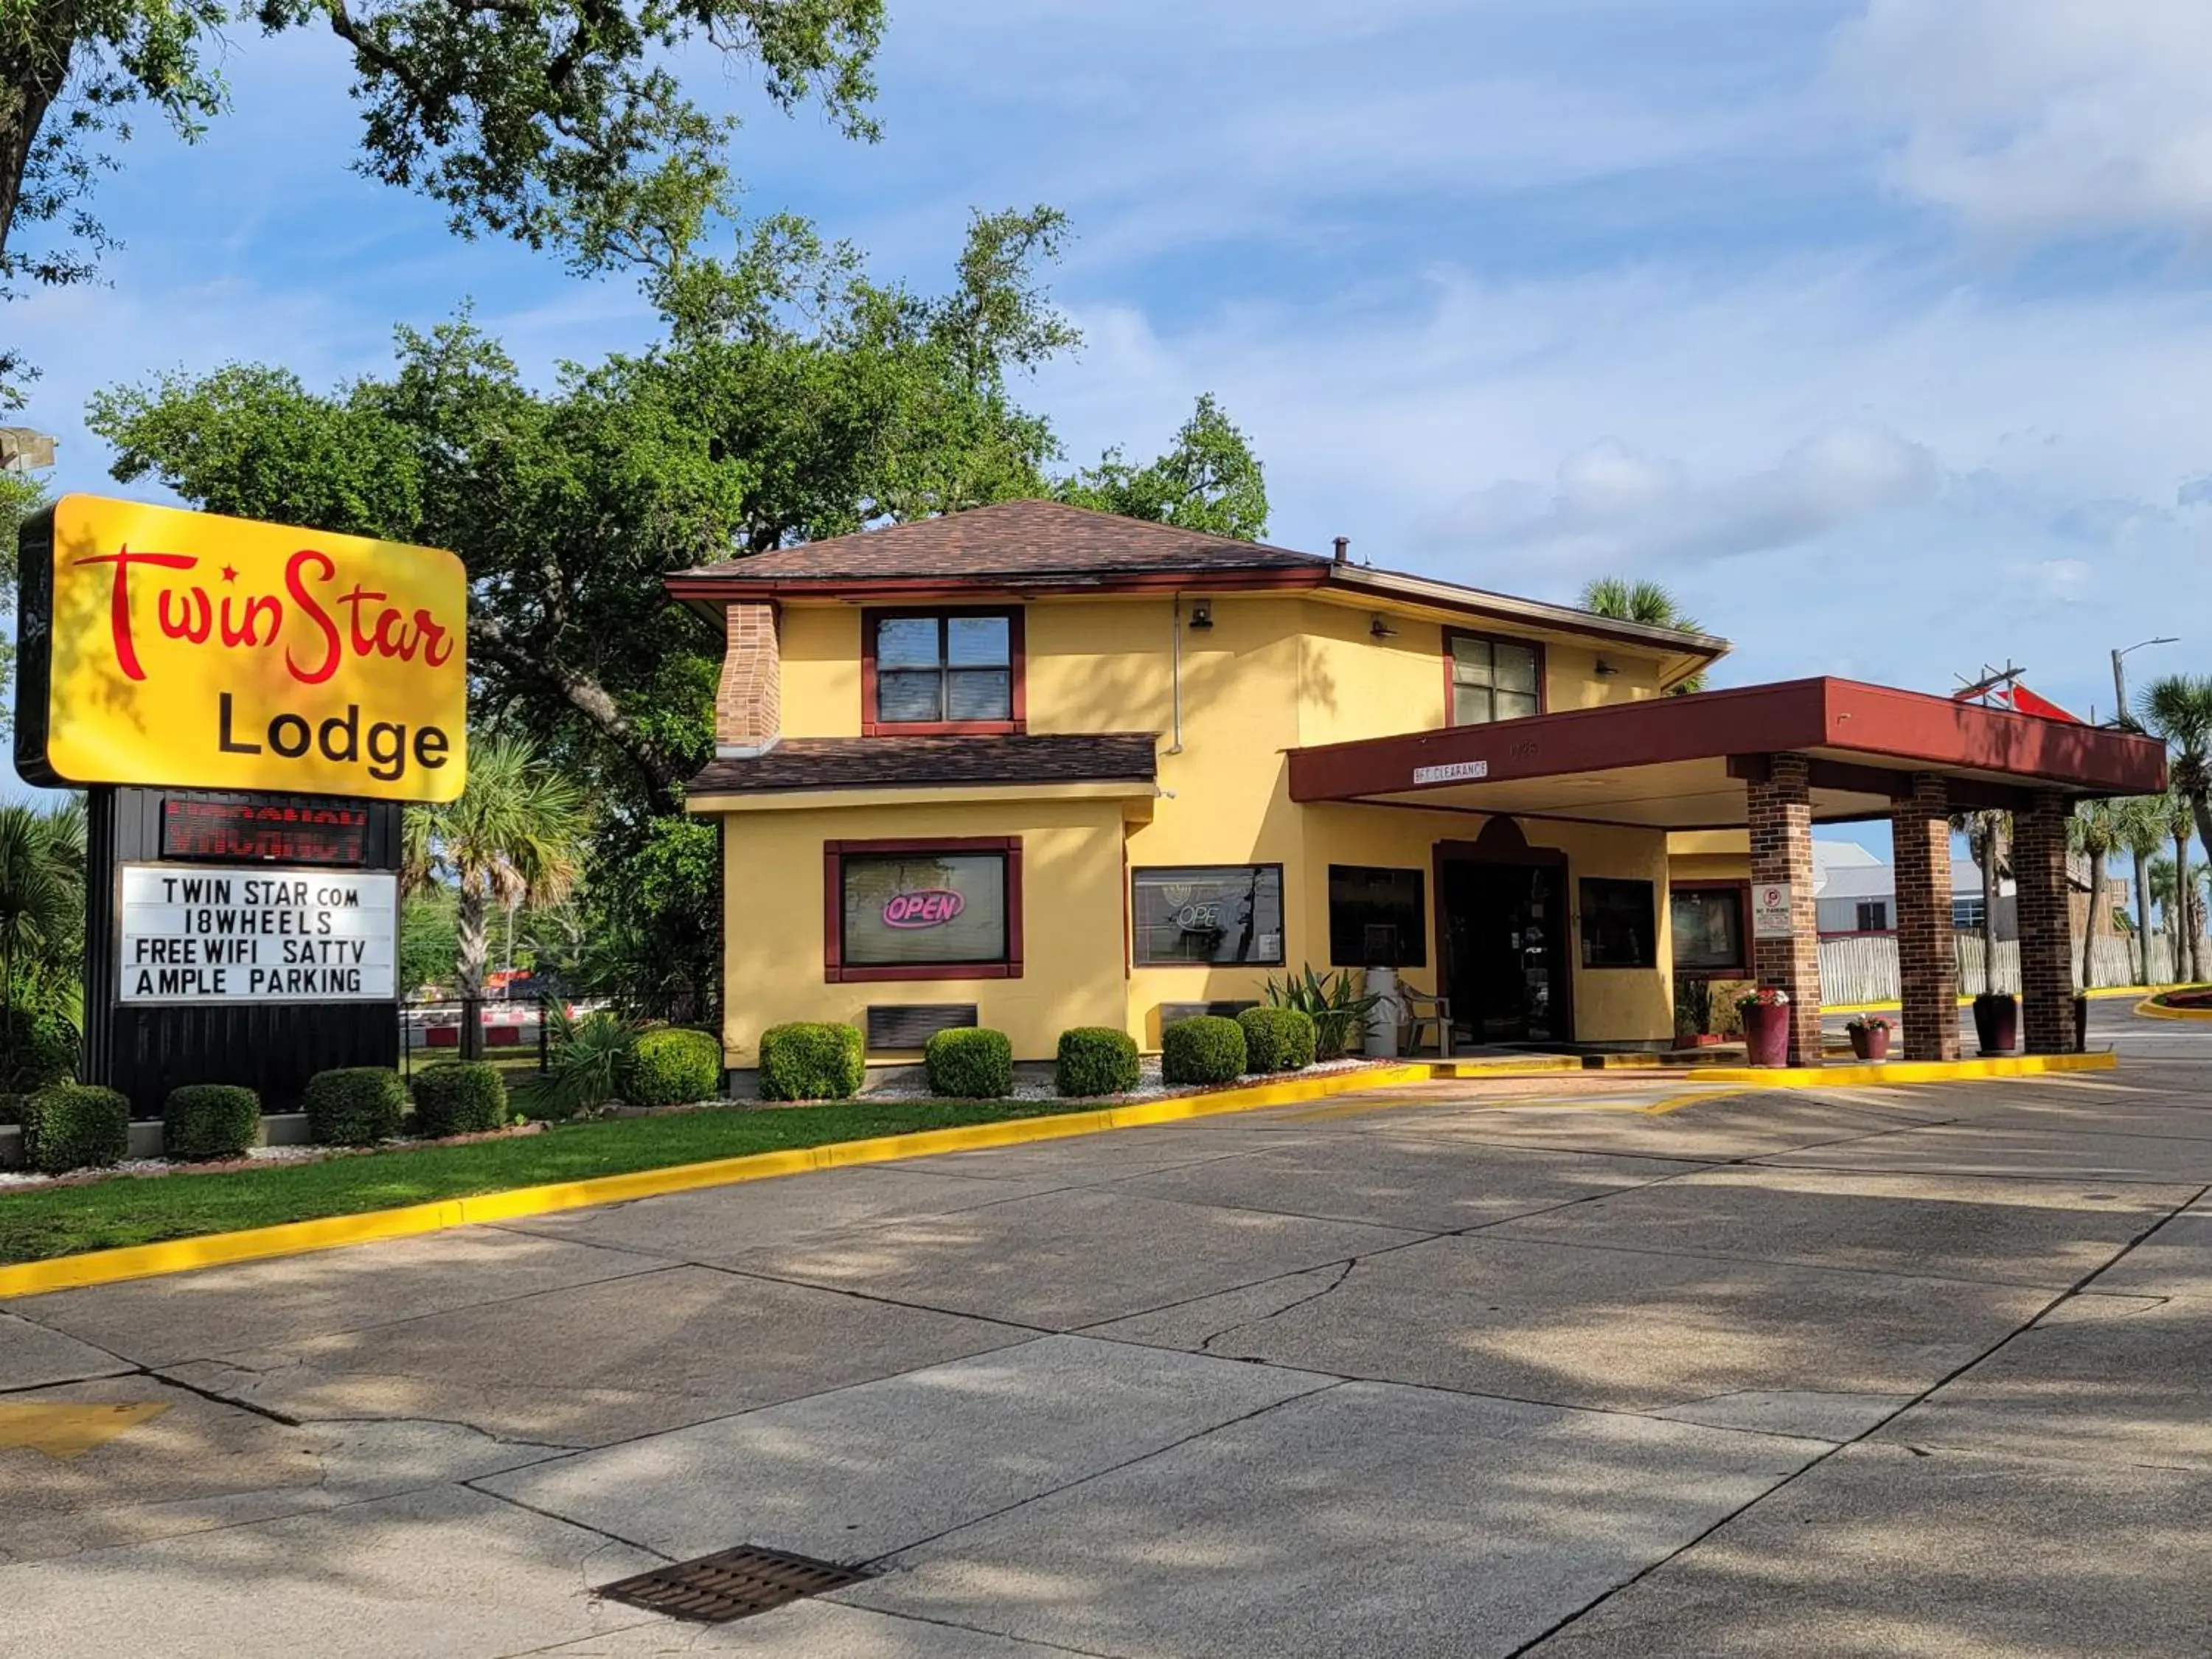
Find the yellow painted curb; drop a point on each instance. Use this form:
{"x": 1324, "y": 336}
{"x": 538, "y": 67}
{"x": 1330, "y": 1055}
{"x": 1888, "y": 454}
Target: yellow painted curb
{"x": 1904, "y": 1071}
{"x": 2151, "y": 1010}
{"x": 333, "y": 1232}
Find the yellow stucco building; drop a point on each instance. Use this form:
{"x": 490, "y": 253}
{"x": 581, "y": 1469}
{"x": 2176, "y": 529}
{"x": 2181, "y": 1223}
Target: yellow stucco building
{"x": 1034, "y": 767}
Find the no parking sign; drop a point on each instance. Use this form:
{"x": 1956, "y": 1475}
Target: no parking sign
{"x": 1769, "y": 910}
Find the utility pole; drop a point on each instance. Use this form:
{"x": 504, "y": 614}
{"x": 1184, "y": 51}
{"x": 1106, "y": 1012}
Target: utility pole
{"x": 2120, "y": 673}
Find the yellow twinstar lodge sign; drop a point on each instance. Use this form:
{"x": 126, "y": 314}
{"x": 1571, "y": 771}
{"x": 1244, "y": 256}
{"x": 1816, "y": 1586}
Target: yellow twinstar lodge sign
{"x": 161, "y": 646}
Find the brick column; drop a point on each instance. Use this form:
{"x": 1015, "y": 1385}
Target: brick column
{"x": 2046, "y": 931}
{"x": 1780, "y": 813}
{"x": 749, "y": 703}
{"x": 1927, "y": 959}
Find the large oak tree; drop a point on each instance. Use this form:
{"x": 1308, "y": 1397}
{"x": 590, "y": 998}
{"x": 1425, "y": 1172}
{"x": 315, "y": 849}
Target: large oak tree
{"x": 562, "y": 123}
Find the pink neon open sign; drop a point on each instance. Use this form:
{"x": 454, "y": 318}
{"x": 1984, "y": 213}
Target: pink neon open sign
{"x": 932, "y": 907}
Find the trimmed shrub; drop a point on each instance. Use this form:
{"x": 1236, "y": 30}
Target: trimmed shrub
{"x": 210, "y": 1119}
{"x": 969, "y": 1062}
{"x": 811, "y": 1060}
{"x": 673, "y": 1067}
{"x": 1277, "y": 1039}
{"x": 75, "y": 1126}
{"x": 458, "y": 1097}
{"x": 1205, "y": 1049}
{"x": 36, "y": 1050}
{"x": 355, "y": 1105}
{"x": 1096, "y": 1060}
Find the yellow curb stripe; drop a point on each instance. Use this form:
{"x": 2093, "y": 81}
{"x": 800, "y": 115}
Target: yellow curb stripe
{"x": 2152, "y": 1010}
{"x": 334, "y": 1232}
{"x": 1907, "y": 1071}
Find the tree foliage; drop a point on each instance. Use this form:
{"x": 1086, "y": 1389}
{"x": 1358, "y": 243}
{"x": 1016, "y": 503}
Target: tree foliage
{"x": 560, "y": 122}
{"x": 1646, "y": 602}
{"x": 42, "y": 874}
{"x": 1209, "y": 480}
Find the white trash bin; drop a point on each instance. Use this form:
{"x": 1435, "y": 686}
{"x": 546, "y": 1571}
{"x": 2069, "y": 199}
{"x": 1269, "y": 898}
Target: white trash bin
{"x": 1382, "y": 1021}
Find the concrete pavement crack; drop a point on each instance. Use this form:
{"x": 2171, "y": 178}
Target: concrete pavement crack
{"x": 470, "y": 1485}
{"x": 1344, "y": 1272}
{"x": 1942, "y": 1382}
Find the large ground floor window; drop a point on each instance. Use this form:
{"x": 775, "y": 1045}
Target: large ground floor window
{"x": 1377, "y": 917}
{"x": 1707, "y": 923}
{"x": 1200, "y": 913}
{"x": 944, "y": 909}
{"x": 1619, "y": 929}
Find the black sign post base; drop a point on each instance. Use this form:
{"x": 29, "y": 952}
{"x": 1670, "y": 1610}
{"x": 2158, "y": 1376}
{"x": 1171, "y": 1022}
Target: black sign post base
{"x": 146, "y": 1050}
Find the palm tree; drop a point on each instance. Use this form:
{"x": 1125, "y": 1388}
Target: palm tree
{"x": 1989, "y": 839}
{"x": 2140, "y": 825}
{"x": 516, "y": 835}
{"x": 2180, "y": 818}
{"x": 1645, "y": 602}
{"x": 2179, "y": 707}
{"x": 41, "y": 900}
{"x": 2093, "y": 831}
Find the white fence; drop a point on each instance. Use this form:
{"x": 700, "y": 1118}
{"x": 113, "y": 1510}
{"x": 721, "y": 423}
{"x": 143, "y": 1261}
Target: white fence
{"x": 1865, "y": 968}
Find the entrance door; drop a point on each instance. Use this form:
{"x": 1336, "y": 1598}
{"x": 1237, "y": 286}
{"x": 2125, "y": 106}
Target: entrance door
{"x": 1505, "y": 931}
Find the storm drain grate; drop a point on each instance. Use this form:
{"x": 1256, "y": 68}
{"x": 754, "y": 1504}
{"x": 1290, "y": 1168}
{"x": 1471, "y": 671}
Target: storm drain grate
{"x": 731, "y": 1585}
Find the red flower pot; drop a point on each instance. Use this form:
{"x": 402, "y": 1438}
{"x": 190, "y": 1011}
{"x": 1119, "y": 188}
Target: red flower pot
{"x": 1767, "y": 1033}
{"x": 1871, "y": 1041}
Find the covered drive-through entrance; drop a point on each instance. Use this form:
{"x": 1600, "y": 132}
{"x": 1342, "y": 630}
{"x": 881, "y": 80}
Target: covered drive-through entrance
{"x": 1771, "y": 760}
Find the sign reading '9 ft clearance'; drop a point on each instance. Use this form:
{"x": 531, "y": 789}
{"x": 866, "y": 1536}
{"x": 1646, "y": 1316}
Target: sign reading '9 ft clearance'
{"x": 161, "y": 646}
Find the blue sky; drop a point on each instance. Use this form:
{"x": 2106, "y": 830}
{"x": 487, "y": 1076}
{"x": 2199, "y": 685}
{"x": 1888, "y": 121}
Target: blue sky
{"x": 1879, "y": 330}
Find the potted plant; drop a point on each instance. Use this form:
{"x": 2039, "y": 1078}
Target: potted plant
{"x": 1869, "y": 1036}
{"x": 1766, "y": 1014}
{"x": 1693, "y": 1013}
{"x": 1996, "y": 1022}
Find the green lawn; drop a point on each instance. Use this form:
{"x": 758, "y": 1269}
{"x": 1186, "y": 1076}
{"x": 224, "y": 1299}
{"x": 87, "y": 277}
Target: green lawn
{"x": 39, "y": 1222}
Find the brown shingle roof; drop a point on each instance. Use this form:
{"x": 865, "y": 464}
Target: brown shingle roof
{"x": 1026, "y": 539}
{"x": 909, "y": 762}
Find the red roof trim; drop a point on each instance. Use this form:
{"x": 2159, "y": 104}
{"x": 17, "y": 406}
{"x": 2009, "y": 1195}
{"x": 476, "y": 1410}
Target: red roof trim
{"x": 1932, "y": 733}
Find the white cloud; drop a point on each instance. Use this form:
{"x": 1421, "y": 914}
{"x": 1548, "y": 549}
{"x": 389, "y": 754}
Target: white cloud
{"x": 1613, "y": 508}
{"x": 2042, "y": 117}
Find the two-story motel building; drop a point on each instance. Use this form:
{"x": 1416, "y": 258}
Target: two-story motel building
{"x": 1037, "y": 767}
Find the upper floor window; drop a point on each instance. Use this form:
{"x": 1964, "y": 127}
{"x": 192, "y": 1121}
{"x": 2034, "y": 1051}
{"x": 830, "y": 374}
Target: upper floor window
{"x": 1494, "y": 679}
{"x": 941, "y": 671}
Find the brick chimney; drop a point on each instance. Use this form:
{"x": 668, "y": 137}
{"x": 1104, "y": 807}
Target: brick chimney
{"x": 749, "y": 705}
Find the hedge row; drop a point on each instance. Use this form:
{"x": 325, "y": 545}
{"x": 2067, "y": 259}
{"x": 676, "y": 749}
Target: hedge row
{"x": 73, "y": 1126}
{"x": 821, "y": 1061}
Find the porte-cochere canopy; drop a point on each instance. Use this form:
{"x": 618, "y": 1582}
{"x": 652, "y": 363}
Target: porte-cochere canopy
{"x": 1775, "y": 760}
{"x": 1682, "y": 762}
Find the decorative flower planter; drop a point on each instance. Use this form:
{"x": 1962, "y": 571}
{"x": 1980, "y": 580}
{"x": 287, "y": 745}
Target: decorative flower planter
{"x": 1871, "y": 1041}
{"x": 1996, "y": 1022}
{"x": 1767, "y": 1033}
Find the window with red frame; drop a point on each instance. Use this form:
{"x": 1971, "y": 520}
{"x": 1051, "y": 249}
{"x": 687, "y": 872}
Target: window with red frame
{"x": 944, "y": 909}
{"x": 942, "y": 670}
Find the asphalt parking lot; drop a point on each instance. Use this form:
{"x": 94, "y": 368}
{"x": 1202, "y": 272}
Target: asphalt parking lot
{"x": 1853, "y": 1371}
